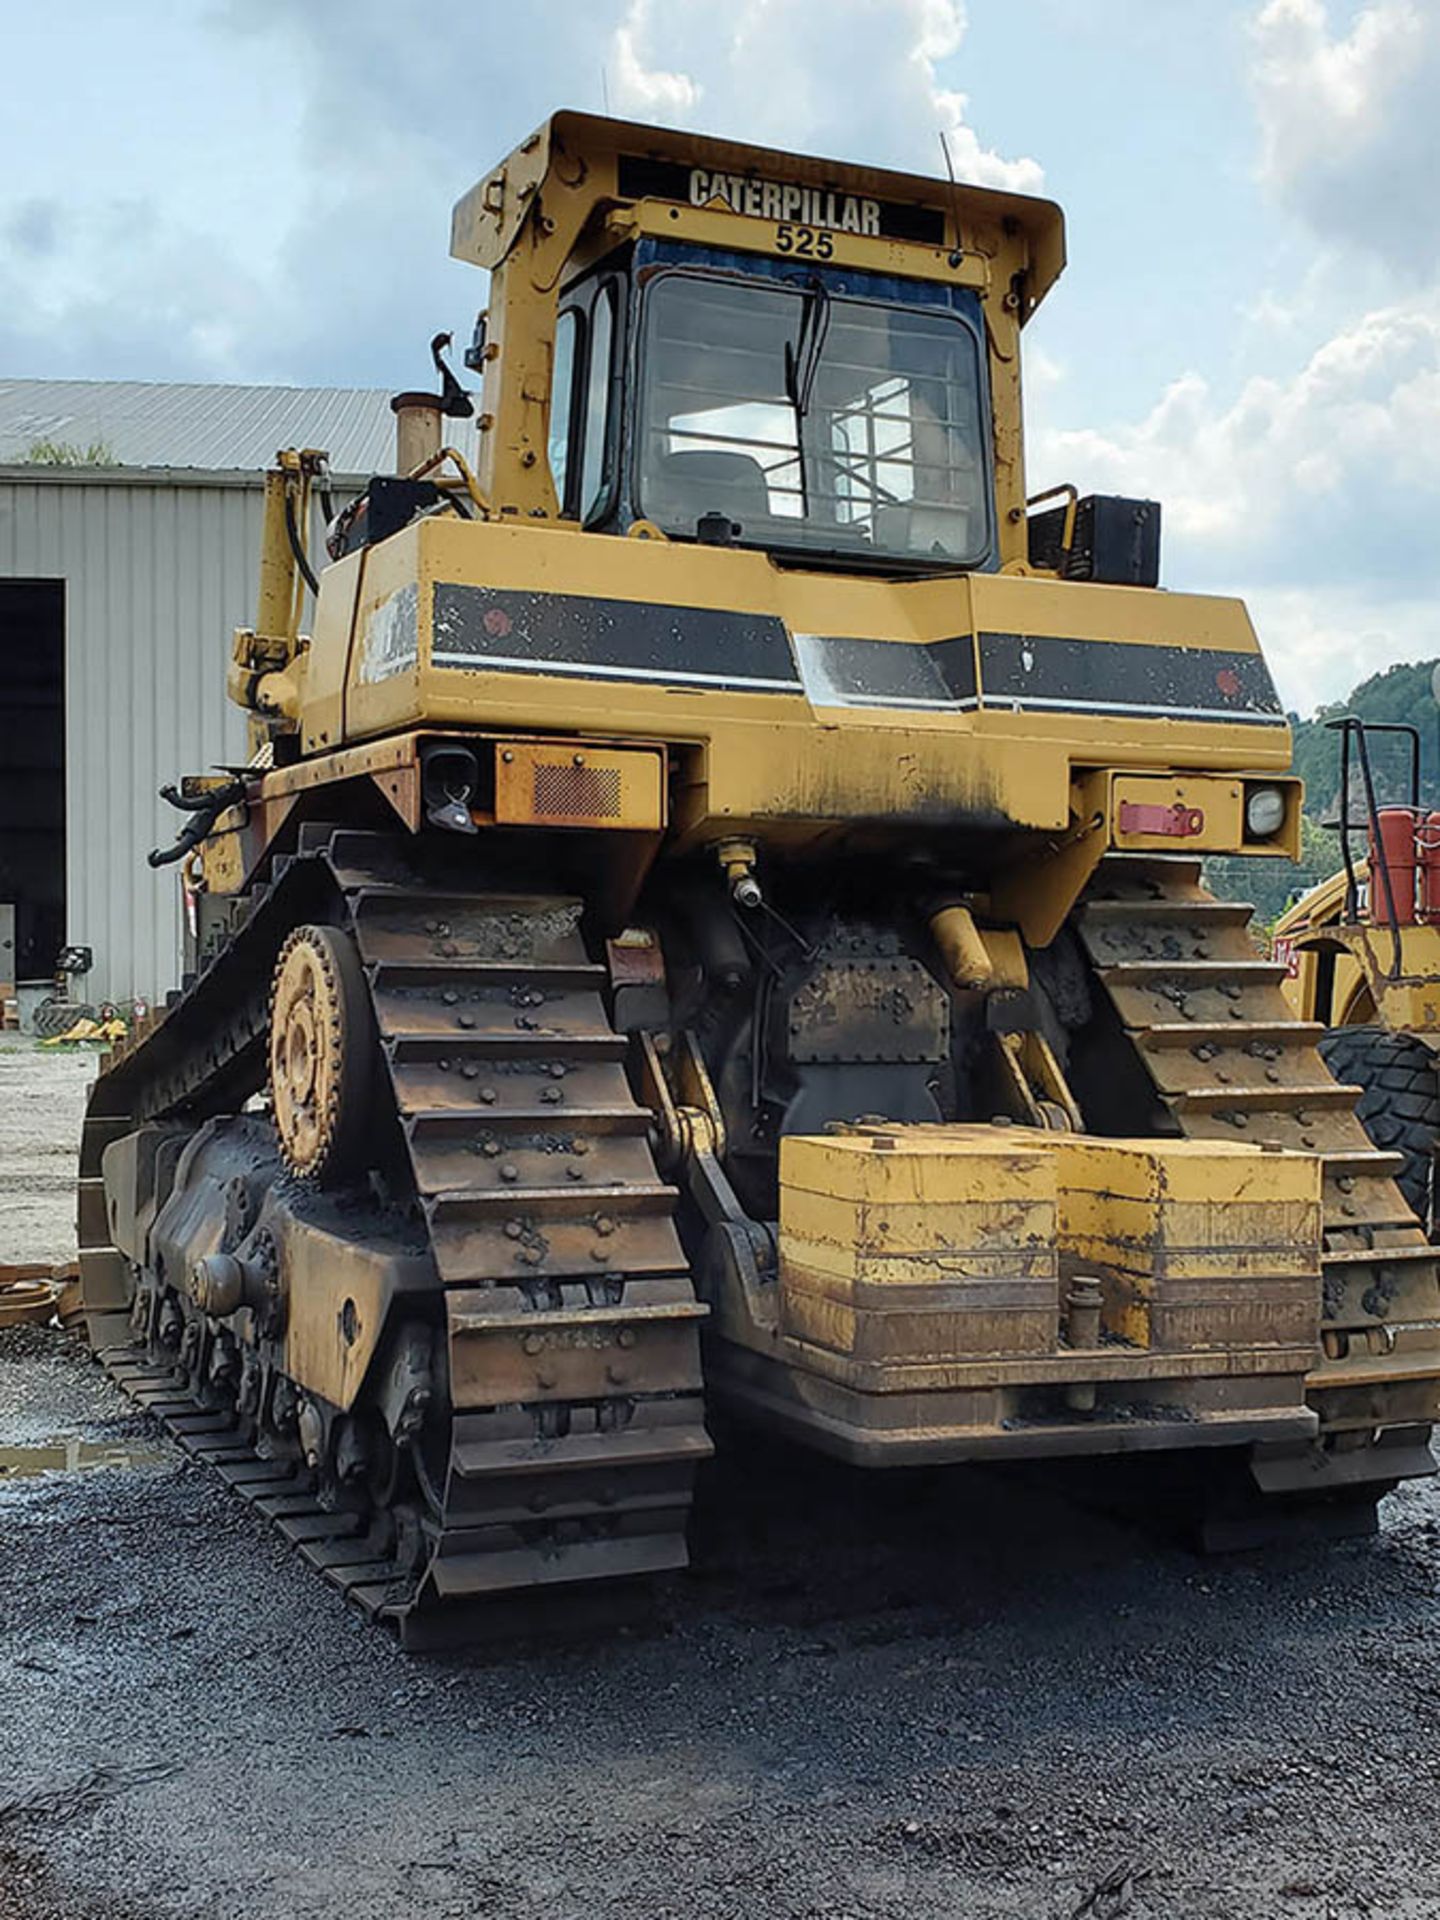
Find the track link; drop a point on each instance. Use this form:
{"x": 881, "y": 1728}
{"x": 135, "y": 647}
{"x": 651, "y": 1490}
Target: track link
{"x": 1230, "y": 1062}
{"x": 571, "y": 1323}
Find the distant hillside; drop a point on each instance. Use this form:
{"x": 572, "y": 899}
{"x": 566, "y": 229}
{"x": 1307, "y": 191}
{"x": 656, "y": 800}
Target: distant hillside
{"x": 1398, "y": 694}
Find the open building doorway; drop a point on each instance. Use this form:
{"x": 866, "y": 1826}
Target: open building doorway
{"x": 32, "y": 785}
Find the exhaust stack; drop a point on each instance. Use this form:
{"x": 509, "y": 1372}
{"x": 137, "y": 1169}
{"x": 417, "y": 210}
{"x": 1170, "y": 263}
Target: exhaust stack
{"x": 418, "y": 434}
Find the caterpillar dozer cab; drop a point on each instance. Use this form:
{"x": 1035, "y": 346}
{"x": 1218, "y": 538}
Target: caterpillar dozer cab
{"x": 714, "y": 919}
{"x": 1362, "y": 954}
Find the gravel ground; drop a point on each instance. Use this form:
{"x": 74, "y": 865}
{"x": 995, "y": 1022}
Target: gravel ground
{"x": 933, "y": 1697}
{"x": 42, "y": 1099}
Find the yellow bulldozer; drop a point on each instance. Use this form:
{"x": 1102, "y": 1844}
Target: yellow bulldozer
{"x": 713, "y": 920}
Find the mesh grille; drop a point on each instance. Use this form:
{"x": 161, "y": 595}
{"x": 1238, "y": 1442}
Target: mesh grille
{"x": 566, "y": 792}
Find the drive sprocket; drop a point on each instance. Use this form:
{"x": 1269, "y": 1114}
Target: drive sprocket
{"x": 322, "y": 1052}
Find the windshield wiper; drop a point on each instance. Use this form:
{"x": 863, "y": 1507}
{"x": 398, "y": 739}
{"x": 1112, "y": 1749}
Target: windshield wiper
{"x": 802, "y": 363}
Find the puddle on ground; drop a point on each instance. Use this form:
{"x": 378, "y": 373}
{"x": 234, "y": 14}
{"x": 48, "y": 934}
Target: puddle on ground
{"x": 73, "y": 1455}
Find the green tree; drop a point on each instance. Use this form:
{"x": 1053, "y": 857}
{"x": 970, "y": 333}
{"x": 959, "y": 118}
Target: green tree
{"x": 1400, "y": 694}
{"x": 1269, "y": 884}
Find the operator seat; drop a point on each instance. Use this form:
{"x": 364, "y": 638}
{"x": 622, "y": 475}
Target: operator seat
{"x": 689, "y": 485}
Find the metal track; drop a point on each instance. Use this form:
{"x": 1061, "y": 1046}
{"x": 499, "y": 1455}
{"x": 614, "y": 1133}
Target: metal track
{"x": 575, "y": 1418}
{"x": 1230, "y": 1062}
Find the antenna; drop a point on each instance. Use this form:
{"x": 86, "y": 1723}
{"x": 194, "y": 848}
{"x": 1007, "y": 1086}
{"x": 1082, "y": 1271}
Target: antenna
{"x": 955, "y": 254}
{"x": 605, "y": 91}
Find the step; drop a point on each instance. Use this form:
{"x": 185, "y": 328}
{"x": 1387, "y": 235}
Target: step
{"x": 566, "y": 1319}
{"x": 577, "y": 1203}
{"x": 1382, "y": 1256}
{"x": 373, "y": 859}
{"x": 1377, "y": 1162}
{"x": 396, "y": 974}
{"x": 474, "y": 1248}
{"x": 1267, "y": 1099}
{"x": 470, "y": 1154}
{"x": 1242, "y": 973}
{"x": 437, "y": 904}
{"x": 1223, "y": 912}
{"x": 1236, "y": 1038}
{"x": 585, "y": 1452}
{"x": 494, "y": 1508}
{"x": 493, "y": 1017}
{"x": 409, "y": 1048}
{"x": 444, "y": 1124}
{"x": 463, "y": 1086}
{"x": 458, "y": 1575}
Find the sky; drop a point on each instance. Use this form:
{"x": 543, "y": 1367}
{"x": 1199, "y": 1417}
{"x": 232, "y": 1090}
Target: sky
{"x": 1248, "y": 329}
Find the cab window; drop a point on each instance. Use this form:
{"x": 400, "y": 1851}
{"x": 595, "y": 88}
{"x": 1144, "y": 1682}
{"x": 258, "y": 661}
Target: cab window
{"x": 813, "y": 420}
{"x": 595, "y": 463}
{"x": 562, "y": 399}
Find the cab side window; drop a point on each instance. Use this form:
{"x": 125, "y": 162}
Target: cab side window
{"x": 596, "y": 464}
{"x": 568, "y": 330}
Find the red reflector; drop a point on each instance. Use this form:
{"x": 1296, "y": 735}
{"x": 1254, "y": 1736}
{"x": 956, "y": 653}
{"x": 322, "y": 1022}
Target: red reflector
{"x": 1178, "y": 822}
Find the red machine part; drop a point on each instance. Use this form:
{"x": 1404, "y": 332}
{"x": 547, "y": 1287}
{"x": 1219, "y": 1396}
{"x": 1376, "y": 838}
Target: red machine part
{"x": 1394, "y": 849}
{"x": 1427, "y": 845}
{"x": 1177, "y": 821}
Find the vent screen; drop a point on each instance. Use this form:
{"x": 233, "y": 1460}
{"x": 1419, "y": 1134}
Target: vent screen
{"x": 564, "y": 792}
{"x": 544, "y": 783}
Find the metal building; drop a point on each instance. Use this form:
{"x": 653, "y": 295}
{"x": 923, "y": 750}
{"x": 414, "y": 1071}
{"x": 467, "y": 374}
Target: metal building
{"x": 129, "y": 530}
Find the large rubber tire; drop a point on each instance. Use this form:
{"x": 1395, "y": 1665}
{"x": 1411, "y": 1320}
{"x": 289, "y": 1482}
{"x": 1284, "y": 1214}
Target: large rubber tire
{"x": 1400, "y": 1105}
{"x": 55, "y": 1016}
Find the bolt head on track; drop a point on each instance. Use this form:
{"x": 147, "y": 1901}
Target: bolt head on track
{"x": 321, "y": 1053}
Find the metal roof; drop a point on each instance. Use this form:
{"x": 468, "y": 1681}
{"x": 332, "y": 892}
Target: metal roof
{"x": 211, "y": 428}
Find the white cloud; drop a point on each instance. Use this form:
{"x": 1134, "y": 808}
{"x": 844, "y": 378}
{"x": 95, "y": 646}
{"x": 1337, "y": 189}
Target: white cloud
{"x": 347, "y": 275}
{"x": 857, "y": 79}
{"x": 1313, "y": 467}
{"x": 123, "y": 287}
{"x": 1313, "y": 488}
{"x": 1317, "y": 495}
{"x": 1348, "y": 124}
{"x": 650, "y": 92}
{"x": 1322, "y": 641}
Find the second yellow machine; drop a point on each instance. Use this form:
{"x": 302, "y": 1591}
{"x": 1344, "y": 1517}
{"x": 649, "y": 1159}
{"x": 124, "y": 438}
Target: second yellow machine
{"x": 715, "y": 916}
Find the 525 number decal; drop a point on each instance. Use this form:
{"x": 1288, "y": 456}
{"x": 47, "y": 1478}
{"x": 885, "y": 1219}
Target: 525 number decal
{"x": 813, "y": 241}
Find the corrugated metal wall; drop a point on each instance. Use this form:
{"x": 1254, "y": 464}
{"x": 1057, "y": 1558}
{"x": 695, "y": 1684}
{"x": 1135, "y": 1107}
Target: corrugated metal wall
{"x": 158, "y": 571}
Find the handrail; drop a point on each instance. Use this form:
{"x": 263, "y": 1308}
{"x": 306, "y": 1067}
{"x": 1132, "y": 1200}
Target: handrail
{"x": 1071, "y": 496}
{"x": 1349, "y": 726}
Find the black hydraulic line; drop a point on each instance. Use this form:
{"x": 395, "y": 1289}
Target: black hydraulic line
{"x": 203, "y": 810}
{"x": 306, "y": 570}
{"x": 189, "y": 803}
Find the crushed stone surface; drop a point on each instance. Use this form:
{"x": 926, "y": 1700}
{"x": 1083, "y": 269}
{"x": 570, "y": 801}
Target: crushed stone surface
{"x": 42, "y": 1101}
{"x": 963, "y": 1696}
{"x": 951, "y": 1695}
